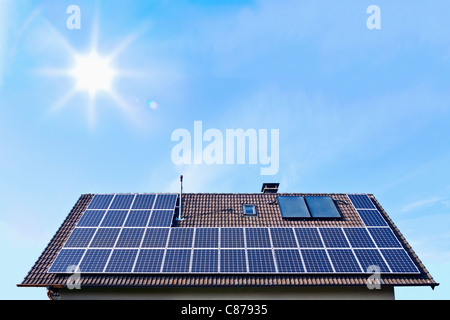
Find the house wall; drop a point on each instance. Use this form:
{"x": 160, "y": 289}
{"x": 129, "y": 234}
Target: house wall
{"x": 231, "y": 293}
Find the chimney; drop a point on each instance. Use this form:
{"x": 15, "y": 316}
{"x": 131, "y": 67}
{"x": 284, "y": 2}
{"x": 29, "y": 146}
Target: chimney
{"x": 270, "y": 187}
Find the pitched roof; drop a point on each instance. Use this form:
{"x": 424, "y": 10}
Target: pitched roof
{"x": 225, "y": 210}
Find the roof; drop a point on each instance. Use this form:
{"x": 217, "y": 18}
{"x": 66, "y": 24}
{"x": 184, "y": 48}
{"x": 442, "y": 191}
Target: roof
{"x": 225, "y": 210}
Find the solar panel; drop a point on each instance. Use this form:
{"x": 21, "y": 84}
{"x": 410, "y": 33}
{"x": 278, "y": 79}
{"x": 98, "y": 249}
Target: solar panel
{"x": 105, "y": 238}
{"x": 384, "y": 238}
{"x": 283, "y": 238}
{"x": 114, "y": 218}
{"x": 122, "y": 261}
{"x": 361, "y": 201}
{"x": 122, "y": 201}
{"x": 66, "y": 261}
{"x": 399, "y": 261}
{"x": 308, "y": 238}
{"x": 137, "y": 218}
{"x": 232, "y": 238}
{"x": 94, "y": 261}
{"x": 322, "y": 207}
{"x": 205, "y": 261}
{"x": 80, "y": 238}
{"x": 359, "y": 238}
{"x": 344, "y": 261}
{"x": 372, "y": 218}
{"x": 288, "y": 261}
{"x": 161, "y": 218}
{"x": 130, "y": 238}
{"x": 334, "y": 238}
{"x": 233, "y": 261}
{"x": 101, "y": 201}
{"x": 91, "y": 218}
{"x": 316, "y": 261}
{"x": 181, "y": 238}
{"x": 371, "y": 257}
{"x": 257, "y": 238}
{"x": 149, "y": 261}
{"x": 155, "y": 238}
{"x": 177, "y": 261}
{"x": 260, "y": 261}
{"x": 293, "y": 207}
{"x": 166, "y": 201}
{"x": 206, "y": 238}
{"x": 144, "y": 201}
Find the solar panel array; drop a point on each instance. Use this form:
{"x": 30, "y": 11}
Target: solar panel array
{"x": 233, "y": 250}
{"x": 132, "y": 234}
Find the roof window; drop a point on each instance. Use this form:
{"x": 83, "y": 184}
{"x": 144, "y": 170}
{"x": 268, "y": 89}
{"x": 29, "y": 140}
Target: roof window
{"x": 249, "y": 209}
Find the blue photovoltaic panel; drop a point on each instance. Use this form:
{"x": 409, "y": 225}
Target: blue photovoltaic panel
{"x": 384, "y": 238}
{"x": 206, "y": 238}
{"x": 283, "y": 238}
{"x": 122, "y": 260}
{"x": 257, "y": 238}
{"x": 80, "y": 238}
{"x": 101, "y": 201}
{"x": 94, "y": 261}
{"x": 130, "y": 238}
{"x": 232, "y": 238}
{"x": 361, "y": 201}
{"x": 149, "y": 261}
{"x": 316, "y": 261}
{"x": 161, "y": 218}
{"x": 66, "y": 261}
{"x": 359, "y": 238}
{"x": 177, "y": 260}
{"x": 105, "y": 238}
{"x": 344, "y": 261}
{"x": 144, "y": 201}
{"x": 288, "y": 261}
{"x": 233, "y": 261}
{"x": 91, "y": 218}
{"x": 181, "y": 238}
{"x": 205, "y": 261}
{"x": 166, "y": 201}
{"x": 293, "y": 207}
{"x": 371, "y": 257}
{"x": 334, "y": 238}
{"x": 260, "y": 261}
{"x": 114, "y": 218}
{"x": 155, "y": 238}
{"x": 322, "y": 207}
{"x": 372, "y": 218}
{"x": 137, "y": 218}
{"x": 399, "y": 261}
{"x": 122, "y": 201}
{"x": 308, "y": 238}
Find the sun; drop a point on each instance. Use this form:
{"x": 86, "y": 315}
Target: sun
{"x": 93, "y": 73}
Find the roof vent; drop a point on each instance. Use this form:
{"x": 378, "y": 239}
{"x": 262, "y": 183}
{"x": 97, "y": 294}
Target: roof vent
{"x": 270, "y": 187}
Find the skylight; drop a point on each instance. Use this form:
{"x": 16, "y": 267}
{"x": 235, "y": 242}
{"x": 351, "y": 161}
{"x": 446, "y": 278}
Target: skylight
{"x": 249, "y": 209}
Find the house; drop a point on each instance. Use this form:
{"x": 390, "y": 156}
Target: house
{"x": 266, "y": 245}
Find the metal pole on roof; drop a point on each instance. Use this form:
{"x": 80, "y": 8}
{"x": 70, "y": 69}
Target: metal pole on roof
{"x": 180, "y": 213}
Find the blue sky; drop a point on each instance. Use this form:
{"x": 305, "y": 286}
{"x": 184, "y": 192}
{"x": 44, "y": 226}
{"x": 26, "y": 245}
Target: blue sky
{"x": 358, "y": 110}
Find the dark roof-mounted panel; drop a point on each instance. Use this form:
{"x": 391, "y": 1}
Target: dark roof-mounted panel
{"x": 322, "y": 207}
{"x": 270, "y": 187}
{"x": 293, "y": 207}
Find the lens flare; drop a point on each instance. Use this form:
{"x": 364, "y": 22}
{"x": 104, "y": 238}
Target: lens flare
{"x": 152, "y": 104}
